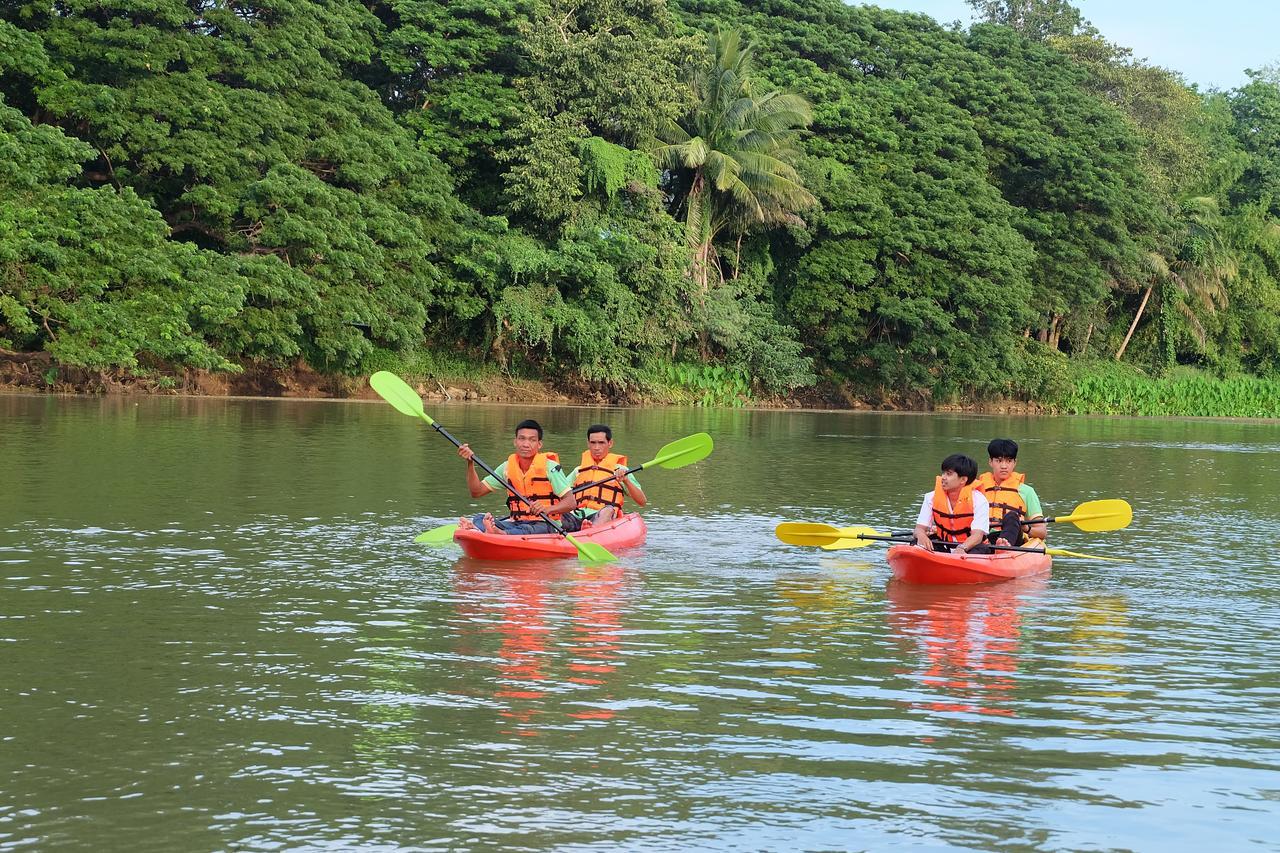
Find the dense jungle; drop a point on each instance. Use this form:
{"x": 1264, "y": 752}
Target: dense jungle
{"x": 698, "y": 201}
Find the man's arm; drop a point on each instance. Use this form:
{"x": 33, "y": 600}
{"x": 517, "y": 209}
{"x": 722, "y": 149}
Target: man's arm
{"x": 562, "y": 485}
{"x": 477, "y": 487}
{"x": 924, "y": 521}
{"x": 630, "y": 486}
{"x": 980, "y": 527}
{"x": 1034, "y": 510}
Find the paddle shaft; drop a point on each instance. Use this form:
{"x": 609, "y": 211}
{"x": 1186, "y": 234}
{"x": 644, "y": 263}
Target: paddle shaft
{"x": 903, "y": 538}
{"x": 494, "y": 474}
{"x": 614, "y": 476}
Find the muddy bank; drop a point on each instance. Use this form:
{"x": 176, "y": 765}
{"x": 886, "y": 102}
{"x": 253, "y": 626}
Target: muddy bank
{"x": 37, "y": 372}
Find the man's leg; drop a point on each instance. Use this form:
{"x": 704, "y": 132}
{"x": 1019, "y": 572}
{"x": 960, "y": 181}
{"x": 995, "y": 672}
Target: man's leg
{"x": 1010, "y": 529}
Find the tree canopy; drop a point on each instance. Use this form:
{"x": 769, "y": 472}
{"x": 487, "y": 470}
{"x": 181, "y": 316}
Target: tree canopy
{"x": 618, "y": 192}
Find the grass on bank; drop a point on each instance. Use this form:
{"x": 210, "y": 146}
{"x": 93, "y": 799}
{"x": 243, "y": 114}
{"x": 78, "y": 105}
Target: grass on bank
{"x": 1107, "y": 388}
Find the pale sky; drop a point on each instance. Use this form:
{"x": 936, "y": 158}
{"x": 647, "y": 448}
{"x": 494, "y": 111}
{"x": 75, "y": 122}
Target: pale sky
{"x": 1210, "y": 42}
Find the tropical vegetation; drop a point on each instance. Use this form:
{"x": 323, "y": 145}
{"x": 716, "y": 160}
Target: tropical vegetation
{"x": 707, "y": 201}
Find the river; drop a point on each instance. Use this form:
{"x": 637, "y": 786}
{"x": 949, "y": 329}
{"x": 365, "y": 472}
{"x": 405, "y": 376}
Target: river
{"x": 217, "y": 634}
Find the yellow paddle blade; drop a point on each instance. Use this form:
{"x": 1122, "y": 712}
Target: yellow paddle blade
{"x": 810, "y": 534}
{"x": 1096, "y": 516}
{"x": 813, "y": 535}
{"x": 1059, "y": 552}
{"x": 855, "y": 537}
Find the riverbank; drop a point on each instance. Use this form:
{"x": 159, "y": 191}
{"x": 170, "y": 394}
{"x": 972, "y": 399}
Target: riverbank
{"x": 36, "y": 372}
{"x": 1104, "y": 388}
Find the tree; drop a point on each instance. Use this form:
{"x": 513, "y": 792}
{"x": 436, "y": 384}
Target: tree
{"x": 1037, "y": 20}
{"x": 729, "y": 158}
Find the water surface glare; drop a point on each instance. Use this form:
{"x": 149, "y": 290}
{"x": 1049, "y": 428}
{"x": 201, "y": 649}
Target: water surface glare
{"x": 217, "y": 634}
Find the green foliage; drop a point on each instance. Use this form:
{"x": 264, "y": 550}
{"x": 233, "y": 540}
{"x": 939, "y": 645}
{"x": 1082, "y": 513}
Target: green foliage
{"x": 426, "y": 365}
{"x": 729, "y": 158}
{"x": 1035, "y": 19}
{"x": 1114, "y": 390}
{"x": 608, "y": 168}
{"x": 451, "y": 188}
{"x": 702, "y": 384}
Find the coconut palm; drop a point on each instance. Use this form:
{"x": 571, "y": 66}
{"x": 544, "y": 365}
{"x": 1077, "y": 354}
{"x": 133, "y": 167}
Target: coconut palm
{"x": 1200, "y": 271}
{"x": 729, "y": 159}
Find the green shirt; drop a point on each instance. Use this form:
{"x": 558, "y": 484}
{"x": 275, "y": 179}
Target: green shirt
{"x": 1031, "y": 499}
{"x": 560, "y": 481}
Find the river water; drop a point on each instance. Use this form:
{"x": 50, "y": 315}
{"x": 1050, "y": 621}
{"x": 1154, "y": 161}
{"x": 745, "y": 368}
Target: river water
{"x": 216, "y": 633}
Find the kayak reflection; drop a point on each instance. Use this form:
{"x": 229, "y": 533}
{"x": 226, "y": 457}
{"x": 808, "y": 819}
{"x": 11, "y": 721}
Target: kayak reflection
{"x": 558, "y": 626}
{"x": 967, "y": 638}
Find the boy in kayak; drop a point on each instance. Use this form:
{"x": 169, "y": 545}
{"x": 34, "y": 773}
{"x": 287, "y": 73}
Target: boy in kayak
{"x": 534, "y": 474}
{"x": 954, "y": 511}
{"x": 1011, "y": 500}
{"x": 598, "y": 504}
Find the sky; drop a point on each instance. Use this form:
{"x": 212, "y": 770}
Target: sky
{"x": 1210, "y": 42}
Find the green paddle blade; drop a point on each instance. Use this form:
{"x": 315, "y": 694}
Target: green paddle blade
{"x": 1096, "y": 516}
{"x": 1059, "y": 552}
{"x": 590, "y": 552}
{"x": 397, "y": 392}
{"x": 437, "y": 535}
{"x": 682, "y": 452}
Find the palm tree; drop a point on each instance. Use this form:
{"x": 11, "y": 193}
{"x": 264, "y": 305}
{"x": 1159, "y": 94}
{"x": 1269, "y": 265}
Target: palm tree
{"x": 1200, "y": 271}
{"x": 729, "y": 157}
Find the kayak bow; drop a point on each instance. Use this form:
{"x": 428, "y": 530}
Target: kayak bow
{"x": 912, "y": 564}
{"x": 625, "y": 532}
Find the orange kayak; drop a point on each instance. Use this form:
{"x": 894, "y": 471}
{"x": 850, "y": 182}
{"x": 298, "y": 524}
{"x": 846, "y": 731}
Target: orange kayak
{"x": 625, "y": 532}
{"x": 912, "y": 564}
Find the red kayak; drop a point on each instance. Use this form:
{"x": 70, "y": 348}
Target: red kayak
{"x": 625, "y": 532}
{"x": 912, "y": 564}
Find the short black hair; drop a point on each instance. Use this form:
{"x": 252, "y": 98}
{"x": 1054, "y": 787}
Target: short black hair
{"x": 529, "y": 423}
{"x": 608, "y": 433}
{"x": 1003, "y": 448}
{"x": 962, "y": 465}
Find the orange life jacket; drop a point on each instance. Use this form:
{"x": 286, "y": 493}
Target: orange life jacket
{"x": 1002, "y": 496}
{"x": 608, "y": 494}
{"x": 953, "y": 522}
{"x": 534, "y": 484}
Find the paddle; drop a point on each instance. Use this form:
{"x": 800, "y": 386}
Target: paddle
{"x": 677, "y": 454}
{"x": 825, "y": 535}
{"x": 813, "y": 534}
{"x": 397, "y": 392}
{"x": 1095, "y": 516}
{"x": 437, "y": 535}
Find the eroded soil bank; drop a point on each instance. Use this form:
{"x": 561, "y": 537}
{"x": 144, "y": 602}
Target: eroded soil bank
{"x": 36, "y": 372}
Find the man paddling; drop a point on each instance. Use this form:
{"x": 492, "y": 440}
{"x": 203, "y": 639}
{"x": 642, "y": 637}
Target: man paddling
{"x": 603, "y": 503}
{"x": 534, "y": 474}
{"x": 954, "y": 511}
{"x": 1011, "y": 500}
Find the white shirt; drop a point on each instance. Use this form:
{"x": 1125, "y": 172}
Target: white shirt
{"x": 981, "y": 512}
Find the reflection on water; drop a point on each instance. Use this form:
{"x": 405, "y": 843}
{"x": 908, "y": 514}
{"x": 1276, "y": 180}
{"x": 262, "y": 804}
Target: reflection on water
{"x": 966, "y": 639}
{"x": 217, "y": 634}
{"x": 539, "y": 630}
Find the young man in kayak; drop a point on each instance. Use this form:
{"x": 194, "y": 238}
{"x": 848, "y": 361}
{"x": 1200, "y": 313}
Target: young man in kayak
{"x": 954, "y": 511}
{"x": 603, "y": 503}
{"x": 1011, "y": 500}
{"x": 534, "y": 474}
